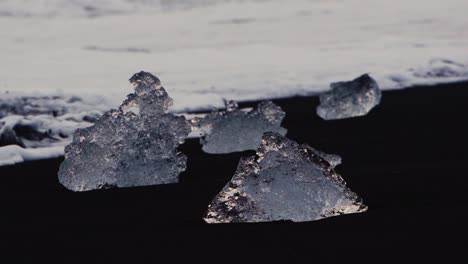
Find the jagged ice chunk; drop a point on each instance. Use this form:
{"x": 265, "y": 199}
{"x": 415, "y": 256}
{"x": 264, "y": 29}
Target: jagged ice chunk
{"x": 234, "y": 130}
{"x": 349, "y": 99}
{"x": 135, "y": 145}
{"x": 284, "y": 181}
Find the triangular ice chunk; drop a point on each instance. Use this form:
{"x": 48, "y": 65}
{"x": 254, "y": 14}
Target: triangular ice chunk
{"x": 284, "y": 181}
{"x": 234, "y": 130}
{"x": 349, "y": 99}
{"x": 135, "y": 145}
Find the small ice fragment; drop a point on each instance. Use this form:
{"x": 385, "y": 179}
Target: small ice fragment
{"x": 234, "y": 130}
{"x": 284, "y": 181}
{"x": 144, "y": 82}
{"x": 135, "y": 145}
{"x": 332, "y": 159}
{"x": 231, "y": 106}
{"x": 349, "y": 99}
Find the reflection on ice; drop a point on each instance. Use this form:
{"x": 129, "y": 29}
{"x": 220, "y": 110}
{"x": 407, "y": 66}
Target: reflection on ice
{"x": 349, "y": 99}
{"x": 284, "y": 181}
{"x": 135, "y": 145}
{"x": 234, "y": 130}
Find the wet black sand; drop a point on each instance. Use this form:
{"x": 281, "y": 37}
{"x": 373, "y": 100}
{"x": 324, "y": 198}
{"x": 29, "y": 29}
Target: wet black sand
{"x": 407, "y": 159}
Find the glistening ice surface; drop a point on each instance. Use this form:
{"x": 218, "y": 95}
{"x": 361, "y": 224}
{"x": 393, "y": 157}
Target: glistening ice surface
{"x": 284, "y": 181}
{"x": 235, "y": 130}
{"x": 135, "y": 145}
{"x": 349, "y": 99}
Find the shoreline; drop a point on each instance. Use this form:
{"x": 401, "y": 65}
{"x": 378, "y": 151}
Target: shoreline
{"x": 236, "y": 50}
{"x": 406, "y": 159}
{"x": 12, "y": 155}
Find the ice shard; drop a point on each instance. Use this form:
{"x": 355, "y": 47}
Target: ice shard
{"x": 135, "y": 145}
{"x": 235, "y": 130}
{"x": 349, "y": 99}
{"x": 284, "y": 181}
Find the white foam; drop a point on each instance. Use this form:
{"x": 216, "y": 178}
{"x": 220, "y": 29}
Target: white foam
{"x": 210, "y": 50}
{"x": 240, "y": 50}
{"x": 10, "y": 155}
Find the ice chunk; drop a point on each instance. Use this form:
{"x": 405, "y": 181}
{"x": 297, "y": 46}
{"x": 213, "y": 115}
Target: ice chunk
{"x": 135, "y": 145}
{"x": 234, "y": 130}
{"x": 284, "y": 181}
{"x": 349, "y": 99}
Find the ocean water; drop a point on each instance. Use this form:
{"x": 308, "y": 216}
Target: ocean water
{"x": 204, "y": 51}
{"x": 209, "y": 51}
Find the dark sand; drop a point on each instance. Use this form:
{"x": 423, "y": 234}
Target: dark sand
{"x": 407, "y": 160}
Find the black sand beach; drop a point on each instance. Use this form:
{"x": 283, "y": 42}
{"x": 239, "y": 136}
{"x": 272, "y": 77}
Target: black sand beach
{"x": 407, "y": 160}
